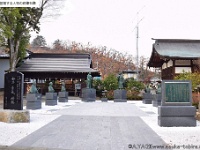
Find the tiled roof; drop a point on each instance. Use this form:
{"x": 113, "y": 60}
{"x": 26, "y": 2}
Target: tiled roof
{"x": 178, "y": 48}
{"x": 43, "y": 62}
{"x": 165, "y": 49}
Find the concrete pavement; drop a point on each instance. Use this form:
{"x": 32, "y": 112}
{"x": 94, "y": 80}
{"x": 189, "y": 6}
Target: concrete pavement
{"x": 94, "y": 126}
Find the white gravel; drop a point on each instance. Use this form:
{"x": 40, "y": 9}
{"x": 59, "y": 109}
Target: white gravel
{"x": 13, "y": 132}
{"x": 174, "y": 136}
{"x": 185, "y": 137}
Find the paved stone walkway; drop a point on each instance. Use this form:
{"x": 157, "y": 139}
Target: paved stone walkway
{"x": 93, "y": 126}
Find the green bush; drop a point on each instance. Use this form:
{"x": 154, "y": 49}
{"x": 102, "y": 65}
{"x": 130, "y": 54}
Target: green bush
{"x": 195, "y": 104}
{"x": 132, "y": 84}
{"x": 110, "y": 82}
{"x": 133, "y": 95}
{"x": 194, "y": 77}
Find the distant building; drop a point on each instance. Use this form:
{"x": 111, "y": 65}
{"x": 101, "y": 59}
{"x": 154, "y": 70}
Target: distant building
{"x": 173, "y": 56}
{"x": 130, "y": 74}
{"x": 4, "y": 65}
{"x": 69, "y": 67}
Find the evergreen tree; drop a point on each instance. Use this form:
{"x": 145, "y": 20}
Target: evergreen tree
{"x": 39, "y": 41}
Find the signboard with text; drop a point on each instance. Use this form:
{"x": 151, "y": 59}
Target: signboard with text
{"x": 176, "y": 92}
{"x": 13, "y": 91}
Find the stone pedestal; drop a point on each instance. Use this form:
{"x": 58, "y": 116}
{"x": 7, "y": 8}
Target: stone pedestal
{"x": 51, "y": 99}
{"x": 120, "y": 95}
{"x": 104, "y": 99}
{"x": 88, "y": 94}
{"x": 63, "y": 96}
{"x": 14, "y": 116}
{"x": 147, "y": 98}
{"x": 176, "y": 116}
{"x": 33, "y": 101}
{"x": 157, "y": 100}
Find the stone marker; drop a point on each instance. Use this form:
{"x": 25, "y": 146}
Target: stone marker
{"x": 176, "y": 107}
{"x": 13, "y": 91}
{"x": 13, "y": 99}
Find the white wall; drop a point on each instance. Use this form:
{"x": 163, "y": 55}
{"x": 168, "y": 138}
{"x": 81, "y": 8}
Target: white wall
{"x": 181, "y": 69}
{"x": 4, "y": 65}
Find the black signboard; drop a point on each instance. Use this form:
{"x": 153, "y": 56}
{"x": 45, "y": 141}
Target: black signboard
{"x": 176, "y": 92}
{"x": 13, "y": 91}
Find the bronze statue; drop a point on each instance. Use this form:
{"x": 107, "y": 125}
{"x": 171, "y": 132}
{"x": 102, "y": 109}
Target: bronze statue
{"x": 147, "y": 89}
{"x": 50, "y": 88}
{"x": 33, "y": 88}
{"x": 158, "y": 91}
{"x": 89, "y": 80}
{"x": 63, "y": 89}
{"x": 121, "y": 81}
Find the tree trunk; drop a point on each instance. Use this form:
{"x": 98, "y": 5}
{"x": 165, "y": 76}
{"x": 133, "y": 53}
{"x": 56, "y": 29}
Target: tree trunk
{"x": 14, "y": 48}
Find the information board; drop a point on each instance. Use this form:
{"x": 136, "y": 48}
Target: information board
{"x": 176, "y": 92}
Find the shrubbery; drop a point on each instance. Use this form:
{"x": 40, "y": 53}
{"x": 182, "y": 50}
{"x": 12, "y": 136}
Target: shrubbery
{"x": 110, "y": 84}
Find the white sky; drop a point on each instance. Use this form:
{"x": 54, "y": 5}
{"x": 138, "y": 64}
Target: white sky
{"x": 112, "y": 23}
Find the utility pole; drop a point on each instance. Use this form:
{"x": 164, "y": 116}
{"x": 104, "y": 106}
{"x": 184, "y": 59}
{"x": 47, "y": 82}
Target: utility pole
{"x": 137, "y": 41}
{"x": 137, "y": 53}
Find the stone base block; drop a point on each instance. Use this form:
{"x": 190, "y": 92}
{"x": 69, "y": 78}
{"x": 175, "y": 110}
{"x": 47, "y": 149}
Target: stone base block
{"x": 63, "y": 94}
{"x": 120, "y": 94}
{"x": 14, "y": 116}
{"x": 51, "y": 102}
{"x": 33, "y": 101}
{"x": 34, "y": 104}
{"x": 179, "y": 116}
{"x": 176, "y": 111}
{"x": 156, "y": 103}
{"x": 147, "y": 96}
{"x": 104, "y": 99}
{"x": 62, "y": 99}
{"x": 120, "y": 100}
{"x": 176, "y": 121}
{"x": 51, "y": 95}
{"x": 33, "y": 97}
{"x": 147, "y": 101}
{"x": 88, "y": 94}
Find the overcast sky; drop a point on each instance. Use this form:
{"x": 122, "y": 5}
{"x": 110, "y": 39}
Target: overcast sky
{"x": 112, "y": 23}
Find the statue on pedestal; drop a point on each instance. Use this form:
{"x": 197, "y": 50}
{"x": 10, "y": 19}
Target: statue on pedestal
{"x": 50, "y": 88}
{"x": 33, "y": 88}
